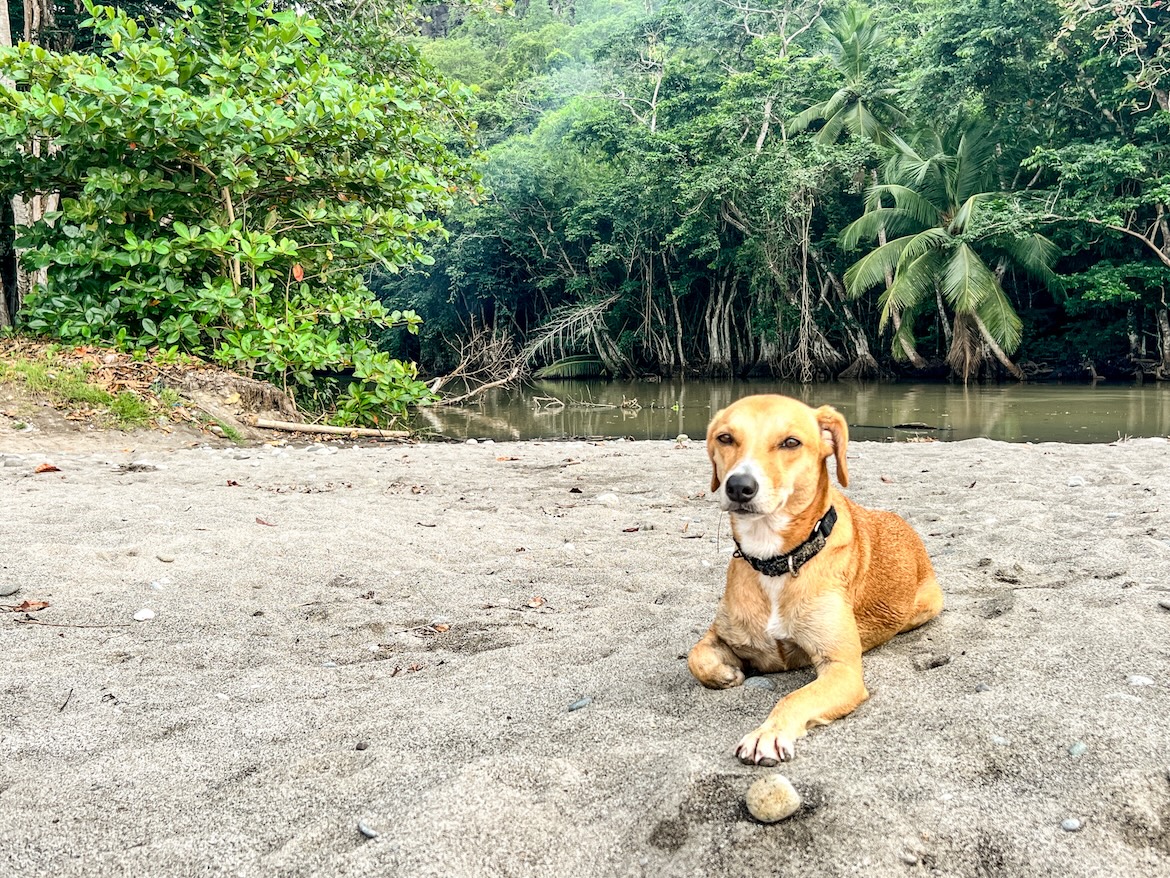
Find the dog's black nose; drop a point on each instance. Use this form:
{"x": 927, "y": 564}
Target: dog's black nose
{"x": 741, "y": 488}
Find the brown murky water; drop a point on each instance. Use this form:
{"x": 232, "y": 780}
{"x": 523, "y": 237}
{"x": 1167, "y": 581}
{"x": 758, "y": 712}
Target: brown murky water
{"x": 662, "y": 410}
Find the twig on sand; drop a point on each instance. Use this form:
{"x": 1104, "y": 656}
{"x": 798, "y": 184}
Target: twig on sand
{"x": 69, "y": 624}
{"x": 65, "y": 702}
{"x": 327, "y": 429}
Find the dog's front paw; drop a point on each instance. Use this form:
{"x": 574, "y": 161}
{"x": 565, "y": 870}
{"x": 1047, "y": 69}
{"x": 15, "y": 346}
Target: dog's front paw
{"x": 708, "y": 669}
{"x": 720, "y": 676}
{"x": 766, "y": 747}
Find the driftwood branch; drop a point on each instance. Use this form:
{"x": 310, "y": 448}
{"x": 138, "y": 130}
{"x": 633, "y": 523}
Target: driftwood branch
{"x": 290, "y": 427}
{"x": 507, "y": 379}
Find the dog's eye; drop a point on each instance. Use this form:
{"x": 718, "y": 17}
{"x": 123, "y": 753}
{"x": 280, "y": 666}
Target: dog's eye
{"x": 725, "y": 439}
{"x": 790, "y": 442}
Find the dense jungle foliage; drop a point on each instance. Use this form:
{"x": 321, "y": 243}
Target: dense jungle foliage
{"x": 802, "y": 188}
{"x": 215, "y": 183}
{"x": 808, "y": 188}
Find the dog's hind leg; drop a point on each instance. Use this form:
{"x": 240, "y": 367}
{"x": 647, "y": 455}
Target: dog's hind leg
{"x": 714, "y": 664}
{"x": 928, "y": 603}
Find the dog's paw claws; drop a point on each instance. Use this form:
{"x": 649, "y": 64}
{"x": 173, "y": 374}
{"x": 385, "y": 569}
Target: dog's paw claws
{"x": 765, "y": 748}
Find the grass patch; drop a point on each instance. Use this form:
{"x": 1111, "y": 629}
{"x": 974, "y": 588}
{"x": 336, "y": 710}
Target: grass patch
{"x": 67, "y": 385}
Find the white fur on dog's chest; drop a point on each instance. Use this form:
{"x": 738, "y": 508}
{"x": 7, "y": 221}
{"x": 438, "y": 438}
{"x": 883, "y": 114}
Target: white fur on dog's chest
{"x": 776, "y": 627}
{"x": 757, "y": 537}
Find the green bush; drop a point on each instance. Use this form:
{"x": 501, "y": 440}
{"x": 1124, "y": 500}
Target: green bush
{"x": 225, "y": 187}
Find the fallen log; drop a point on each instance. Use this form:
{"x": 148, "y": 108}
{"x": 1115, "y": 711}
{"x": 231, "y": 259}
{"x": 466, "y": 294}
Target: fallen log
{"x": 328, "y": 430}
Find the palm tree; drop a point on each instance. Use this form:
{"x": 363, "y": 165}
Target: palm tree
{"x": 948, "y": 225}
{"x": 860, "y": 106}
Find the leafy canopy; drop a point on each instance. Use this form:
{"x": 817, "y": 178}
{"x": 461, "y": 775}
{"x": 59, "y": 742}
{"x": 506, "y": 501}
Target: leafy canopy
{"x": 225, "y": 187}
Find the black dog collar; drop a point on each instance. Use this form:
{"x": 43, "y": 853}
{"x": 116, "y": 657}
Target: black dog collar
{"x": 779, "y": 565}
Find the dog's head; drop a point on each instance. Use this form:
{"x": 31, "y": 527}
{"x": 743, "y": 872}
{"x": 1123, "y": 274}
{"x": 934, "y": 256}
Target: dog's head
{"x": 768, "y": 454}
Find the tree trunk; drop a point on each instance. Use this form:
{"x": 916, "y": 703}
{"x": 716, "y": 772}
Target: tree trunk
{"x": 764, "y": 125}
{"x": 718, "y": 336}
{"x": 943, "y": 320}
{"x": 912, "y": 355}
{"x": 38, "y": 18}
{"x": 5, "y": 314}
{"x": 26, "y": 211}
{"x": 997, "y": 351}
{"x": 678, "y": 328}
{"x": 1164, "y": 342}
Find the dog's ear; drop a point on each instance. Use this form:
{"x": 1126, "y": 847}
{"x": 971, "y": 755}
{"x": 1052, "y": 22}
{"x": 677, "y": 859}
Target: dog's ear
{"x": 834, "y": 439}
{"x": 711, "y": 452}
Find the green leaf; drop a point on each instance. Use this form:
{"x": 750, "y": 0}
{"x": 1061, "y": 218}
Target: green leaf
{"x": 967, "y": 282}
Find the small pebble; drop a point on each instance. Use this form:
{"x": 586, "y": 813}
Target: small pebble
{"x": 758, "y": 683}
{"x": 362, "y": 745}
{"x": 1139, "y": 680}
{"x": 166, "y": 559}
{"x": 982, "y": 687}
{"x": 144, "y": 615}
{"x": 1000, "y": 740}
{"x": 367, "y": 830}
{"x": 1076, "y": 482}
{"x": 1071, "y": 824}
{"x": 910, "y": 859}
{"x": 581, "y": 702}
{"x": 472, "y": 441}
{"x": 329, "y": 664}
{"x": 1078, "y": 749}
{"x": 7, "y": 589}
{"x": 772, "y": 798}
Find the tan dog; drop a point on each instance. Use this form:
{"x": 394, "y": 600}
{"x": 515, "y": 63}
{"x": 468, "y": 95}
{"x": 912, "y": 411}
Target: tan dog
{"x": 829, "y": 599}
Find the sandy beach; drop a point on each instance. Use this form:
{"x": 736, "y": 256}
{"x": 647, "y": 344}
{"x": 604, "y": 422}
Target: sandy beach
{"x": 393, "y": 636}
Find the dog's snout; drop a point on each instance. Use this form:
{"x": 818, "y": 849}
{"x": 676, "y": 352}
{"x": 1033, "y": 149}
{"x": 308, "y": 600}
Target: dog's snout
{"x": 741, "y": 488}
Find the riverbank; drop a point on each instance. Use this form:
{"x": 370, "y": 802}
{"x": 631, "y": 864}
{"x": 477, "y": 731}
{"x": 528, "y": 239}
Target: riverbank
{"x": 394, "y": 635}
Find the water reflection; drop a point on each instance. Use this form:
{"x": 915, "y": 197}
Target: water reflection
{"x": 649, "y": 410}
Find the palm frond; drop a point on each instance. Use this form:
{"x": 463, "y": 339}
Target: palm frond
{"x": 579, "y": 366}
{"x": 832, "y": 129}
{"x": 1001, "y": 320}
{"x": 966, "y": 281}
{"x": 975, "y": 162}
{"x": 1035, "y": 255}
{"x": 914, "y": 283}
{"x": 966, "y": 352}
{"x": 930, "y": 239}
{"x": 962, "y": 217}
{"x": 891, "y": 220}
{"x": 806, "y": 117}
{"x": 909, "y": 200}
{"x": 567, "y": 326}
{"x": 870, "y": 270}
{"x": 903, "y": 336}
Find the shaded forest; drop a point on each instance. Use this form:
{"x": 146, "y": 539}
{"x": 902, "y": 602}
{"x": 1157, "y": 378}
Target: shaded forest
{"x": 805, "y": 189}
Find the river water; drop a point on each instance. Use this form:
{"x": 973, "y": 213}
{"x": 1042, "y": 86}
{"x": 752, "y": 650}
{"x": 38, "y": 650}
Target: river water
{"x": 882, "y": 412}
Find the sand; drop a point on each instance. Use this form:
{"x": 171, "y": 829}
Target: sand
{"x": 394, "y": 635}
